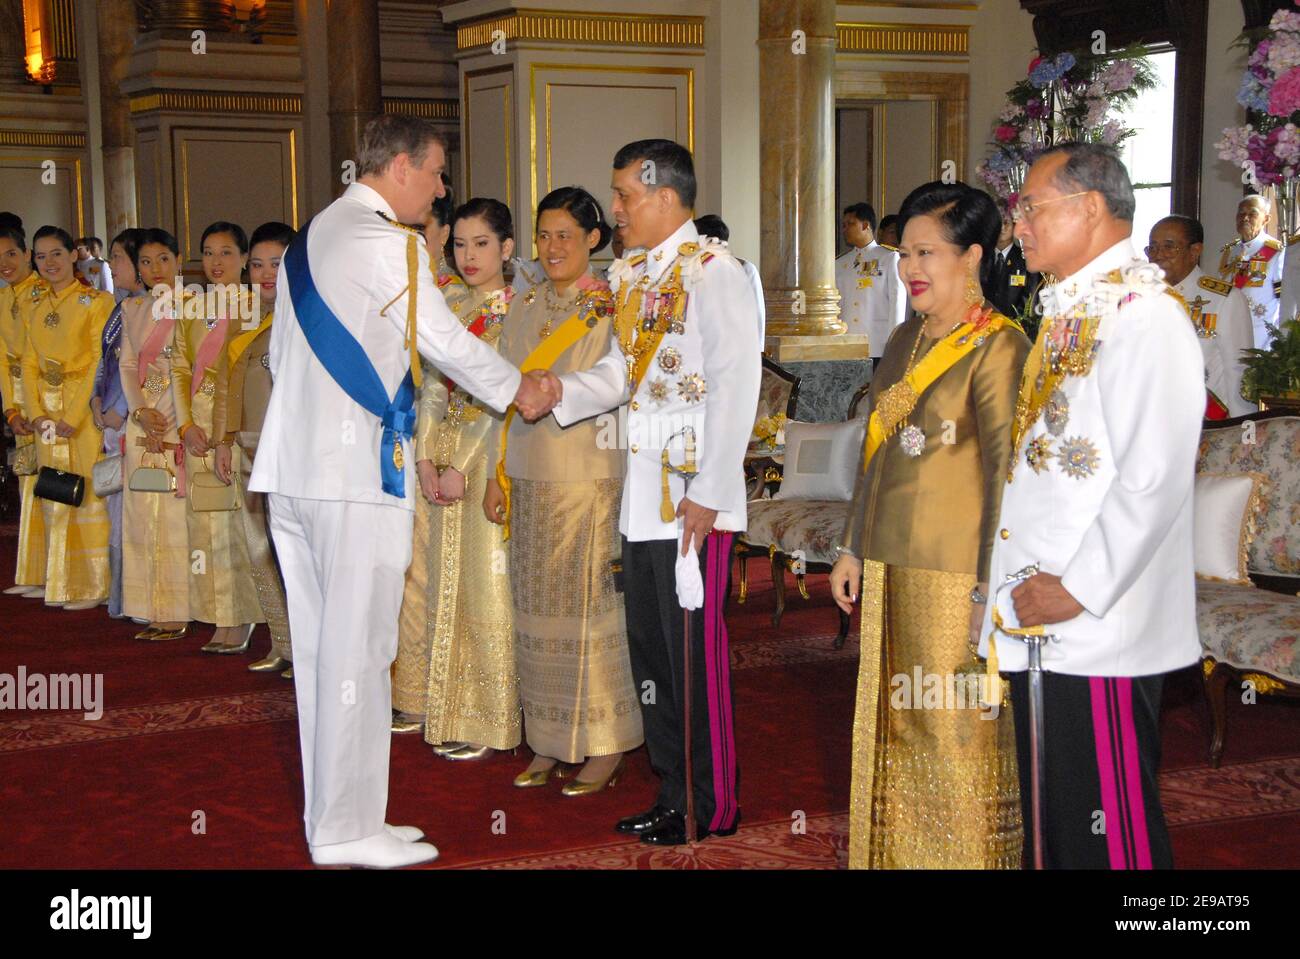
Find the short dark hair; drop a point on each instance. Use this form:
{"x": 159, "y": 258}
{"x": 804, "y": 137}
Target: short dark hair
{"x": 712, "y": 225}
{"x": 92, "y": 243}
{"x": 887, "y": 221}
{"x": 389, "y": 134}
{"x": 1096, "y": 166}
{"x": 863, "y": 213}
{"x": 966, "y": 215}
{"x": 1192, "y": 229}
{"x": 225, "y": 226}
{"x": 673, "y": 166}
{"x": 59, "y": 233}
{"x": 493, "y": 212}
{"x": 16, "y": 233}
{"x": 10, "y": 219}
{"x": 160, "y": 237}
{"x": 583, "y": 207}
{"x": 273, "y": 231}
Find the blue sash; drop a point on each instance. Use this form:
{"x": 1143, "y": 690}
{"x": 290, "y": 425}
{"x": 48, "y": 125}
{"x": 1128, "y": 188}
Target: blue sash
{"x": 346, "y": 362}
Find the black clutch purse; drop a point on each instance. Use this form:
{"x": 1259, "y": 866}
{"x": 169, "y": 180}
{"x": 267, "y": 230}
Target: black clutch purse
{"x": 60, "y": 487}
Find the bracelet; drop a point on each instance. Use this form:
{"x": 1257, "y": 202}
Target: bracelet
{"x": 845, "y": 551}
{"x": 12, "y": 415}
{"x": 976, "y": 597}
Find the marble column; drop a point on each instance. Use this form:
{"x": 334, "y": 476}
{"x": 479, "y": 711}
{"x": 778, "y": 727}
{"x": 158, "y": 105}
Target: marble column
{"x": 354, "y": 88}
{"x": 796, "y": 44}
{"x": 116, "y": 33}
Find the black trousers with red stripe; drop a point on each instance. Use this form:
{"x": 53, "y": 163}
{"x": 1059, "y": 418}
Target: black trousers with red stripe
{"x": 1101, "y": 803}
{"x": 655, "y": 632}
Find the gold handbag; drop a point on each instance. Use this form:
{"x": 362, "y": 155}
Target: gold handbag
{"x": 153, "y": 479}
{"x": 25, "y": 460}
{"x": 209, "y": 495}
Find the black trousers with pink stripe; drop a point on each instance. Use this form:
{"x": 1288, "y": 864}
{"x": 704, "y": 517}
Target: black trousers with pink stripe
{"x": 1101, "y": 804}
{"x": 655, "y": 632}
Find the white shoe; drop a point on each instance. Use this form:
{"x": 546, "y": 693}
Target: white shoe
{"x": 380, "y": 851}
{"x": 405, "y": 833}
{"x": 83, "y": 604}
{"x": 34, "y": 592}
{"x": 17, "y": 590}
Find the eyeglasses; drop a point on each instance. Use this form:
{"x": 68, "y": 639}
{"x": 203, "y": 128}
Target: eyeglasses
{"x": 1026, "y": 211}
{"x": 1169, "y": 248}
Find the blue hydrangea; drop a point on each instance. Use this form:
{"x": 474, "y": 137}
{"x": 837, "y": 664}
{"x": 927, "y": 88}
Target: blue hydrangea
{"x": 1043, "y": 74}
{"x": 1252, "y": 95}
{"x": 1064, "y": 63}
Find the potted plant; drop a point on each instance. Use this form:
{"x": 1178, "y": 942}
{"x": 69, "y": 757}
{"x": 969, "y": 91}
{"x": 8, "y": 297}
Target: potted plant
{"x": 1272, "y": 376}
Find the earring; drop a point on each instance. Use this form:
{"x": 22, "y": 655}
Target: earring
{"x": 974, "y": 294}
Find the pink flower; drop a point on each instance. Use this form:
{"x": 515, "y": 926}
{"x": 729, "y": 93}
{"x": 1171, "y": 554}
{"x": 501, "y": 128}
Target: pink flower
{"x": 1284, "y": 98}
{"x": 1037, "y": 60}
{"x": 1005, "y": 134}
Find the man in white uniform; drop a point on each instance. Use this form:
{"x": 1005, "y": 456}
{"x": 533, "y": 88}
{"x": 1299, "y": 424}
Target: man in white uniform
{"x": 93, "y": 266}
{"x": 713, "y": 225}
{"x": 341, "y": 498}
{"x": 1253, "y": 263}
{"x": 872, "y": 299}
{"x": 1099, "y": 495}
{"x": 1219, "y": 312}
{"x": 685, "y": 353}
{"x": 1289, "y": 305}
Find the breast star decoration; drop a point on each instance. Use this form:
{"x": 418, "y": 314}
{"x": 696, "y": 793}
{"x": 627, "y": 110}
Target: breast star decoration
{"x": 1079, "y": 457}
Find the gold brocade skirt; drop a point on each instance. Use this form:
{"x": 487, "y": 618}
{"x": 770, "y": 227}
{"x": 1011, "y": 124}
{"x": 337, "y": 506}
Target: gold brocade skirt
{"x": 934, "y": 774}
{"x": 30, "y": 567}
{"x": 261, "y": 553}
{"x": 575, "y": 678}
{"x": 456, "y": 648}
{"x": 155, "y": 540}
{"x": 222, "y": 591}
{"x": 76, "y": 537}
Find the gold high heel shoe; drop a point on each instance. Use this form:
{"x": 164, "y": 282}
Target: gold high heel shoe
{"x": 288, "y": 673}
{"x": 148, "y": 633}
{"x": 441, "y": 749}
{"x": 468, "y": 752}
{"x": 580, "y": 788}
{"x": 405, "y": 725}
{"x": 527, "y": 780}
{"x": 162, "y": 635}
{"x": 229, "y": 649}
{"x": 270, "y": 664}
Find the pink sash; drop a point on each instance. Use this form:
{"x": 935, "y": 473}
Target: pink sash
{"x": 162, "y": 332}
{"x": 208, "y": 351}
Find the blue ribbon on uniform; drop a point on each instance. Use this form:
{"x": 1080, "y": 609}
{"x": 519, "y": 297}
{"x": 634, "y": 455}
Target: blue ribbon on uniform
{"x": 348, "y": 365}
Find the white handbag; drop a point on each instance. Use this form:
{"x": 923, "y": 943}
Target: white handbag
{"x": 106, "y": 476}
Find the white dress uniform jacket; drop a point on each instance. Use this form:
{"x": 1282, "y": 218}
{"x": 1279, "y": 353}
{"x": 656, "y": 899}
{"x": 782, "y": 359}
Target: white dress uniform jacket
{"x": 1114, "y": 521}
{"x": 872, "y": 298}
{"x": 1221, "y": 319}
{"x": 97, "y": 273}
{"x": 1263, "y": 288}
{"x": 316, "y": 442}
{"x": 706, "y": 376}
{"x": 1289, "y": 305}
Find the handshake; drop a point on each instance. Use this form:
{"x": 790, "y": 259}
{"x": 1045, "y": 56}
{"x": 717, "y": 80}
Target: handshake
{"x": 539, "y": 391}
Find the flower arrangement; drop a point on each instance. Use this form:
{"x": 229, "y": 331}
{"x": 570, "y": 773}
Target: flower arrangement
{"x": 1274, "y": 372}
{"x": 1267, "y": 147}
{"x": 769, "y": 431}
{"x": 1069, "y": 97}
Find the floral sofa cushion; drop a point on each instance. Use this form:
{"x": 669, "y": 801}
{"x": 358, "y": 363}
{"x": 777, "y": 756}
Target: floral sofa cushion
{"x": 1250, "y": 628}
{"x": 1275, "y": 452}
{"x": 814, "y": 526}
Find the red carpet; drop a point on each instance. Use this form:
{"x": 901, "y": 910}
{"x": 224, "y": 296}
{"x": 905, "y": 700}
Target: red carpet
{"x": 194, "y": 763}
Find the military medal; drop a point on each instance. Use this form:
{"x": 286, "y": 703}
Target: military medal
{"x": 266, "y": 361}
{"x": 1056, "y": 413}
{"x": 399, "y": 460}
{"x": 691, "y": 388}
{"x": 912, "y": 440}
{"x": 1038, "y": 452}
{"x": 1079, "y": 457}
{"x": 670, "y": 360}
{"x": 658, "y": 390}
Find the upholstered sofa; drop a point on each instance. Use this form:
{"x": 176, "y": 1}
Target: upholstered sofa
{"x": 1250, "y": 633}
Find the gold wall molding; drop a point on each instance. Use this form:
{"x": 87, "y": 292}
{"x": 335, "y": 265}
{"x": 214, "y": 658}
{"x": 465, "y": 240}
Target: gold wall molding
{"x": 626, "y": 30}
{"x": 467, "y": 141}
{"x": 438, "y": 109}
{"x": 77, "y": 198}
{"x": 35, "y": 138}
{"x": 196, "y": 102}
{"x": 890, "y": 39}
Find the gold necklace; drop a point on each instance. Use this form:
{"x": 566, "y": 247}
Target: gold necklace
{"x": 553, "y": 306}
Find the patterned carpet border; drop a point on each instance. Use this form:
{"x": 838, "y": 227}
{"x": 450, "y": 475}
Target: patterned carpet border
{"x": 1266, "y": 787}
{"x": 32, "y": 730}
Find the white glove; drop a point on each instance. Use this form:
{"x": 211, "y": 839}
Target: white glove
{"x": 690, "y": 587}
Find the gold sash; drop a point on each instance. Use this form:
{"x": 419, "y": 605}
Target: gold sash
{"x": 244, "y": 340}
{"x": 941, "y": 358}
{"x": 542, "y": 357}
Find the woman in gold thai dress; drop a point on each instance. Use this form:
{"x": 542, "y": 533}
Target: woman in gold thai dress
{"x": 249, "y": 355}
{"x": 155, "y": 535}
{"x": 64, "y": 344}
{"x": 222, "y": 590}
{"x": 456, "y": 649}
{"x": 559, "y": 492}
{"x": 934, "y": 772}
{"x": 25, "y": 289}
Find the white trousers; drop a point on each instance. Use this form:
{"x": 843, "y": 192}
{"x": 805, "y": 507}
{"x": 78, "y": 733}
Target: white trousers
{"x": 344, "y": 567}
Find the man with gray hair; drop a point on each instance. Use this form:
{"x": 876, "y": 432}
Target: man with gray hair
{"x": 356, "y": 301}
{"x": 1253, "y": 262}
{"x": 1096, "y": 518}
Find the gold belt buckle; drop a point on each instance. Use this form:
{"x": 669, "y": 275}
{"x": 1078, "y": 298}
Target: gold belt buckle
{"x": 53, "y": 377}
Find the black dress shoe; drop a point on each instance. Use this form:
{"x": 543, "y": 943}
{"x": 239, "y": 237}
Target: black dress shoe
{"x": 642, "y": 822}
{"x": 672, "y": 831}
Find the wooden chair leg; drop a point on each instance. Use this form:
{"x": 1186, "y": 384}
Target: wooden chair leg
{"x": 844, "y": 629}
{"x": 778, "y": 586}
{"x": 1217, "y": 676}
